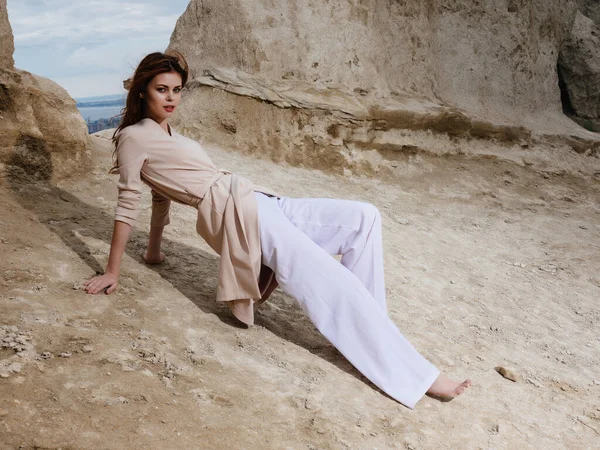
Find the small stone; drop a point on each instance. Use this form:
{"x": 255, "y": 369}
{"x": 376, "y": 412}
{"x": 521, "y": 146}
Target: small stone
{"x": 549, "y": 268}
{"x": 508, "y": 373}
{"x": 3, "y": 412}
{"x": 4, "y": 375}
{"x": 15, "y": 367}
{"x": 65, "y": 355}
{"x": 87, "y": 349}
{"x": 535, "y": 382}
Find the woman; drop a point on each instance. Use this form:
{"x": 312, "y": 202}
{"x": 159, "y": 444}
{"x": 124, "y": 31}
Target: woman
{"x": 263, "y": 239}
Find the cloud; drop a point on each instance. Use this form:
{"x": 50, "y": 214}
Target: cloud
{"x": 121, "y": 54}
{"x": 89, "y": 47}
{"x": 92, "y": 21}
{"x": 104, "y": 83}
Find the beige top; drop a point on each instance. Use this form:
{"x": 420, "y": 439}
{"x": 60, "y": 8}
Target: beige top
{"x": 178, "y": 169}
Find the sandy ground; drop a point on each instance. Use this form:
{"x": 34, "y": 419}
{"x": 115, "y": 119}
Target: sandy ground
{"x": 488, "y": 263}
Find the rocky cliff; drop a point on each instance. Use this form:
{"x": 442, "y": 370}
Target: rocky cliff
{"x": 579, "y": 67}
{"x": 7, "y": 45}
{"x": 357, "y": 85}
{"x": 41, "y": 132}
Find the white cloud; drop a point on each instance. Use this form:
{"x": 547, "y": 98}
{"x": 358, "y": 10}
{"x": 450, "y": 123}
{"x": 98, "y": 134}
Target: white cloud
{"x": 122, "y": 55}
{"x": 91, "y": 85}
{"x": 92, "y": 22}
{"x": 89, "y": 47}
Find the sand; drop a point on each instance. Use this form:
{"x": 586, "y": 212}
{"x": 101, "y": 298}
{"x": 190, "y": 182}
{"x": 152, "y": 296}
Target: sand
{"x": 489, "y": 263}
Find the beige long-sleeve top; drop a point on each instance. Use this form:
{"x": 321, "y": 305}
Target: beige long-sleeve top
{"x": 178, "y": 169}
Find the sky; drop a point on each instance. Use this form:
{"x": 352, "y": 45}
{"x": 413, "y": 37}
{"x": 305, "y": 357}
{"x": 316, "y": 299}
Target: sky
{"x": 90, "y": 47}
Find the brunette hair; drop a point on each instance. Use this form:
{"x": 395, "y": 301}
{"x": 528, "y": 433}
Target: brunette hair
{"x": 135, "y": 106}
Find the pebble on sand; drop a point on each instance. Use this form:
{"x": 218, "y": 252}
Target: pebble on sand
{"x": 508, "y": 373}
{"x": 3, "y": 412}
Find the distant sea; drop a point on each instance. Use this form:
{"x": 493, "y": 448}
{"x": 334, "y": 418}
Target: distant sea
{"x": 102, "y": 107}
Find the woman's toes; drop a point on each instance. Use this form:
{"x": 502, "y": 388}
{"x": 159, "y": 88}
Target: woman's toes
{"x": 463, "y": 387}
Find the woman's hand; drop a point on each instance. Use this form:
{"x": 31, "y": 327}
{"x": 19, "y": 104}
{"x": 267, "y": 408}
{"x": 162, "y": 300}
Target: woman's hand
{"x": 152, "y": 258}
{"x": 107, "y": 282}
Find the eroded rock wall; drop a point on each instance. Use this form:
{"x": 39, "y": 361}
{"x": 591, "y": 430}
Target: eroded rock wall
{"x": 579, "y": 67}
{"x": 7, "y": 45}
{"x": 364, "y": 86}
{"x": 42, "y": 133}
{"x": 492, "y": 59}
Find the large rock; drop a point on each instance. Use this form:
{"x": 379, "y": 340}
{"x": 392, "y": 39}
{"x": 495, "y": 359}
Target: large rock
{"x": 492, "y": 59}
{"x": 591, "y": 9}
{"x": 7, "y": 45}
{"x": 42, "y": 133}
{"x": 360, "y": 85}
{"x": 579, "y": 67}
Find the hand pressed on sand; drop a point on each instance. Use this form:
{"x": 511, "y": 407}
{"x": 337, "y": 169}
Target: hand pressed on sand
{"x": 106, "y": 283}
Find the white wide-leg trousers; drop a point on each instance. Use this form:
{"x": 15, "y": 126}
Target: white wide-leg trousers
{"x": 346, "y": 302}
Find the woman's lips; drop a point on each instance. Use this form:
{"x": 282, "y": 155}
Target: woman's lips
{"x": 169, "y": 108}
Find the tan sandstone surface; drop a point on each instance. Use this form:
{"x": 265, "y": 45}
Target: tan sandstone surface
{"x": 489, "y": 264}
{"x": 445, "y": 115}
{"x": 41, "y": 129}
{"x": 351, "y": 85}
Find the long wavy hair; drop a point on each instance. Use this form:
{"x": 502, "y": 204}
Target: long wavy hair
{"x": 135, "y": 106}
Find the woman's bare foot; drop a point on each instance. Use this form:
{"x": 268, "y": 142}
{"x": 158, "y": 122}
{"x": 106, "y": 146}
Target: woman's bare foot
{"x": 444, "y": 389}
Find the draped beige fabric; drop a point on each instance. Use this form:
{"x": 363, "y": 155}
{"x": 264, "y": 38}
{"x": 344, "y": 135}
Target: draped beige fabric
{"x": 178, "y": 169}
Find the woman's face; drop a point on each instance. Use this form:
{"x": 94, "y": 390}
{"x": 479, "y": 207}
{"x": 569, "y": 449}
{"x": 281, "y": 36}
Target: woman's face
{"x": 163, "y": 95}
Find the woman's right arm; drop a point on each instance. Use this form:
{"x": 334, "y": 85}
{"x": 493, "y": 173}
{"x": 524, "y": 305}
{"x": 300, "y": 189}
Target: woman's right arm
{"x": 131, "y": 157}
{"x": 110, "y": 278}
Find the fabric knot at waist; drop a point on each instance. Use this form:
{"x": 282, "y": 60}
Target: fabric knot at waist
{"x": 198, "y": 196}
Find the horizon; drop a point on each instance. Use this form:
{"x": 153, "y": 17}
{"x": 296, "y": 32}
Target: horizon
{"x": 89, "y": 50}
{"x": 101, "y": 97}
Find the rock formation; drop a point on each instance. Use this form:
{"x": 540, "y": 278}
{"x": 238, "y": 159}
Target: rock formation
{"x": 590, "y": 8}
{"x": 41, "y": 130}
{"x": 356, "y": 85}
{"x": 579, "y": 67}
{"x": 7, "y": 45}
